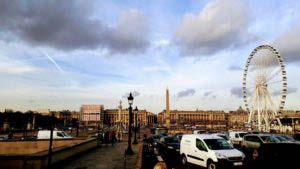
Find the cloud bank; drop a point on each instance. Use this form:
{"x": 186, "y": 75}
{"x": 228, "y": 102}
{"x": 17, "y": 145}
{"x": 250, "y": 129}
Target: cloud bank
{"x": 68, "y": 26}
{"x": 220, "y": 25}
{"x": 186, "y": 93}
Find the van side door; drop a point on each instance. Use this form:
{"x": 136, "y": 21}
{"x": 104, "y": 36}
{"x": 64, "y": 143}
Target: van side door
{"x": 199, "y": 153}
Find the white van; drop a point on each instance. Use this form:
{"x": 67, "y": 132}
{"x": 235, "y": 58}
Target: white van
{"x": 236, "y": 137}
{"x": 45, "y": 134}
{"x": 209, "y": 151}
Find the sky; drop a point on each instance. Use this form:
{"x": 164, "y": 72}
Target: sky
{"x": 61, "y": 54}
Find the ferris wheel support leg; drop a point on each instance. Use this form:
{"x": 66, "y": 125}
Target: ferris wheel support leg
{"x": 274, "y": 113}
{"x": 258, "y": 113}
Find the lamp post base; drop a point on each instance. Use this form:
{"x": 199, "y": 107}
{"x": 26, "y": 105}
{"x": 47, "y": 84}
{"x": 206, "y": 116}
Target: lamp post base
{"x": 129, "y": 151}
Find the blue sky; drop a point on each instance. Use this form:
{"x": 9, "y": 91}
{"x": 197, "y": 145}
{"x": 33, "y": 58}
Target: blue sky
{"x": 60, "y": 55}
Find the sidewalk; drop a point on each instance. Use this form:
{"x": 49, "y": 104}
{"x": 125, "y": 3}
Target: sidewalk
{"x": 105, "y": 157}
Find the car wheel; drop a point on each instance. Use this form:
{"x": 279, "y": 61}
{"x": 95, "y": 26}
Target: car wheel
{"x": 211, "y": 165}
{"x": 184, "y": 160}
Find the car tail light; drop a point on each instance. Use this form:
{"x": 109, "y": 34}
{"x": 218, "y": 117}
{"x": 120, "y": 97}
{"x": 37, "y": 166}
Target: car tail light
{"x": 255, "y": 154}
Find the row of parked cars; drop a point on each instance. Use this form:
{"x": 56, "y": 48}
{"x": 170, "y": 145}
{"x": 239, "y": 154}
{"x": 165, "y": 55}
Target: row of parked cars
{"x": 216, "y": 150}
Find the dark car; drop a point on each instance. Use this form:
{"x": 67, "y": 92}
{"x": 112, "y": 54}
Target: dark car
{"x": 296, "y": 136}
{"x": 179, "y": 135}
{"x": 276, "y": 155}
{"x": 153, "y": 140}
{"x": 169, "y": 145}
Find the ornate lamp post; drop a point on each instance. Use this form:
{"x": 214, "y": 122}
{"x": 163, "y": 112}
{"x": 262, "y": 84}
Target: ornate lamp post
{"x": 51, "y": 140}
{"x": 135, "y": 127}
{"x": 139, "y": 125}
{"x": 130, "y": 101}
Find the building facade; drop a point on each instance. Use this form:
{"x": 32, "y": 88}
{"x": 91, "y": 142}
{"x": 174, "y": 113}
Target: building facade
{"x": 202, "y": 119}
{"x": 237, "y": 119}
{"x": 143, "y": 117}
{"x": 91, "y": 114}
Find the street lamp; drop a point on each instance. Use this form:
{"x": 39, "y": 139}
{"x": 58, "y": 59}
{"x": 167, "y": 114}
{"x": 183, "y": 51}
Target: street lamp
{"x": 51, "y": 140}
{"x": 139, "y": 125}
{"x": 135, "y": 127}
{"x": 130, "y": 101}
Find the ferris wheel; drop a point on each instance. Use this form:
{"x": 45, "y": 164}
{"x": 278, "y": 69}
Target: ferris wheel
{"x": 264, "y": 86}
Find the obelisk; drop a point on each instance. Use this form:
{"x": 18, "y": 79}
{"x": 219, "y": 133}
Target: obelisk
{"x": 167, "y": 109}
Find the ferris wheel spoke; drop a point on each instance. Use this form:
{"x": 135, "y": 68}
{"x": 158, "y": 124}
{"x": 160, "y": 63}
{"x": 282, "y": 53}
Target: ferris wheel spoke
{"x": 274, "y": 82}
{"x": 274, "y": 74}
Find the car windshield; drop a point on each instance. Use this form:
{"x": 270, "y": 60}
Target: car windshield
{"x": 224, "y": 137}
{"x": 288, "y": 138}
{"x": 171, "y": 140}
{"x": 217, "y": 144}
{"x": 281, "y": 138}
{"x": 270, "y": 139}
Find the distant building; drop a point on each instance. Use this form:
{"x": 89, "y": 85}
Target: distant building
{"x": 144, "y": 117}
{"x": 237, "y": 119}
{"x": 91, "y": 114}
{"x": 202, "y": 119}
{"x": 8, "y": 110}
{"x": 44, "y": 112}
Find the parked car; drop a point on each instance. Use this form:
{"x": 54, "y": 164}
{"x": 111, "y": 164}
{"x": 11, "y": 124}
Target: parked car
{"x": 179, "y": 135}
{"x": 4, "y": 137}
{"x": 45, "y": 134}
{"x": 296, "y": 136}
{"x": 168, "y": 145}
{"x": 154, "y": 139}
{"x": 236, "y": 137}
{"x": 209, "y": 151}
{"x": 276, "y": 155}
{"x": 199, "y": 131}
{"x": 253, "y": 141}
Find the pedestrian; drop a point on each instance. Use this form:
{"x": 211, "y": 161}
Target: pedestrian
{"x": 106, "y": 137}
{"x": 113, "y": 138}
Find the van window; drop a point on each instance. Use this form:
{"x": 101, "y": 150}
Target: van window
{"x": 200, "y": 145}
{"x": 236, "y": 135}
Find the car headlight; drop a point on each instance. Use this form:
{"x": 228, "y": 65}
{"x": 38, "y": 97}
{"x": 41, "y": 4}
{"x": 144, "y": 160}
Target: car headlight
{"x": 220, "y": 156}
{"x": 170, "y": 147}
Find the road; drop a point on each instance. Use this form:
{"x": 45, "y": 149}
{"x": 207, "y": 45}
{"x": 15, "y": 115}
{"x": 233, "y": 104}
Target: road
{"x": 106, "y": 157}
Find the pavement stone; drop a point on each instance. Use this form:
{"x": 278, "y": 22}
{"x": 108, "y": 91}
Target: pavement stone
{"x": 105, "y": 157}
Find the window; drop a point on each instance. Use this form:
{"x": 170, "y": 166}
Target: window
{"x": 256, "y": 139}
{"x": 248, "y": 138}
{"x": 242, "y": 134}
{"x": 59, "y": 134}
{"x": 217, "y": 144}
{"x": 236, "y": 135}
{"x": 200, "y": 145}
{"x": 162, "y": 140}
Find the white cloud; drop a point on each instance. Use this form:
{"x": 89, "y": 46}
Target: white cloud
{"x": 15, "y": 67}
{"x": 288, "y": 45}
{"x": 220, "y": 25}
